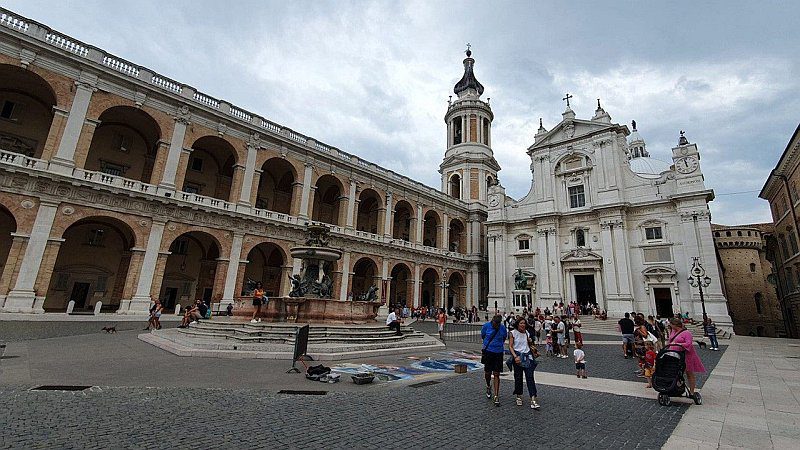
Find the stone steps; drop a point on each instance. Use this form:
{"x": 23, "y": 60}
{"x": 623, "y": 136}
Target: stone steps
{"x": 276, "y": 341}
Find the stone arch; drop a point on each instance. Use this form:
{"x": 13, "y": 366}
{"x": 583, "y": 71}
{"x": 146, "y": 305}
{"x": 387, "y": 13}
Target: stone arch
{"x": 276, "y": 185}
{"x": 221, "y": 237}
{"x": 401, "y": 286}
{"x": 431, "y": 229}
{"x": 455, "y": 185}
{"x": 365, "y": 275}
{"x": 429, "y": 288}
{"x": 457, "y": 236}
{"x": 210, "y": 168}
{"x": 92, "y": 264}
{"x": 328, "y": 200}
{"x": 266, "y": 263}
{"x": 456, "y": 291}
{"x": 370, "y": 205}
{"x": 191, "y": 269}
{"x": 26, "y": 111}
{"x": 69, "y": 214}
{"x": 125, "y": 144}
{"x": 402, "y": 220}
{"x": 559, "y": 163}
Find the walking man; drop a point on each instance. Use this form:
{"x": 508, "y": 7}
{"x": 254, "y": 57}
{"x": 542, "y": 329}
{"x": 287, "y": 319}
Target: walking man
{"x": 626, "y": 326}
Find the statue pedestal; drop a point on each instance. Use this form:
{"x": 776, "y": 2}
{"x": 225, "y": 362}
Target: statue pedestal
{"x": 522, "y": 298}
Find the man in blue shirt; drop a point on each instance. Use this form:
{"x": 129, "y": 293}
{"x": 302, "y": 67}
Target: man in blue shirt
{"x": 494, "y": 335}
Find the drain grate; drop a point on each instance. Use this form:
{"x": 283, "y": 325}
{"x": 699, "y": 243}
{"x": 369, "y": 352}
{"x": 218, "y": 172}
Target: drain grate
{"x": 423, "y": 384}
{"x": 291, "y": 392}
{"x": 58, "y": 387}
{"x": 793, "y": 357}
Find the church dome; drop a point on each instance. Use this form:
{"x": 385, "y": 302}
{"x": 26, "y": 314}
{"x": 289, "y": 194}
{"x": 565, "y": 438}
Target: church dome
{"x": 647, "y": 167}
{"x": 468, "y": 81}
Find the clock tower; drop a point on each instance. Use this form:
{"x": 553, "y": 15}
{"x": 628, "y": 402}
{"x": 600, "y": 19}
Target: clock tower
{"x": 469, "y": 169}
{"x": 686, "y": 160}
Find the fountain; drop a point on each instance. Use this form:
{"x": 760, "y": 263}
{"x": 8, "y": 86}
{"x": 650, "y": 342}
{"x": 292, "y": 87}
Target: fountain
{"x": 311, "y": 297}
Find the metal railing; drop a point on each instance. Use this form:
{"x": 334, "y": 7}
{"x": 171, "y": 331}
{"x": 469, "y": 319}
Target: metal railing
{"x": 462, "y": 332}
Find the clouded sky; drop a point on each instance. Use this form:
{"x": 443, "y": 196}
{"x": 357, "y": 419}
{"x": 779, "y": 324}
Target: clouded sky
{"x": 372, "y": 78}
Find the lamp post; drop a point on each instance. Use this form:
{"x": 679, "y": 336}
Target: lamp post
{"x": 698, "y": 279}
{"x": 444, "y": 286}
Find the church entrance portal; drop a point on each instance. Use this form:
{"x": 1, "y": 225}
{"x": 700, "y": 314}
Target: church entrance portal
{"x": 584, "y": 289}
{"x": 663, "y": 298}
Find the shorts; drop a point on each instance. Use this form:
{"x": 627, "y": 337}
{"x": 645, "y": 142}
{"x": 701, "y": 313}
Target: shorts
{"x": 648, "y": 371}
{"x": 158, "y": 315}
{"x": 492, "y": 362}
{"x": 627, "y": 339}
{"x": 257, "y": 302}
{"x": 580, "y": 366}
{"x": 441, "y": 327}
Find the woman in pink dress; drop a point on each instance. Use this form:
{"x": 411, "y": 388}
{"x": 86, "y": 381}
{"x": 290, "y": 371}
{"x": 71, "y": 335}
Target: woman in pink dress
{"x": 679, "y": 335}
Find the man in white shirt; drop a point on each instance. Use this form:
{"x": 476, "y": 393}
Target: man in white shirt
{"x": 393, "y": 322}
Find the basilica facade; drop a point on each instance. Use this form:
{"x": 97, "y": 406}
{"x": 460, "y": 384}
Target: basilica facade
{"x": 605, "y": 224}
{"x": 120, "y": 185}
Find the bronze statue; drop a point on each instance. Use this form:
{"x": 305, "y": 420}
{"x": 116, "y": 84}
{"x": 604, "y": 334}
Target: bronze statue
{"x": 520, "y": 281}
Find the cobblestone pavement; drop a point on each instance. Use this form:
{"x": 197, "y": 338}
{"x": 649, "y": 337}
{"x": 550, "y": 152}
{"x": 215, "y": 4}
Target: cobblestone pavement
{"x": 15, "y": 331}
{"x": 453, "y": 413}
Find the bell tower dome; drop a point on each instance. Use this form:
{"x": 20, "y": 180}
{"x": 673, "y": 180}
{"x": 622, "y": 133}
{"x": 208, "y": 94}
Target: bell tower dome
{"x": 468, "y": 168}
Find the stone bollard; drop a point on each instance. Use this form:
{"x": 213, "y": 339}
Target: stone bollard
{"x": 97, "y": 307}
{"x": 70, "y": 306}
{"x": 177, "y": 309}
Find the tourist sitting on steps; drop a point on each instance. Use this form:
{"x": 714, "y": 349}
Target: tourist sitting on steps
{"x": 194, "y": 313}
{"x": 393, "y": 321}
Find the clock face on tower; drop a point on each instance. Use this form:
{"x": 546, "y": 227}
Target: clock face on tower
{"x": 494, "y": 200}
{"x": 687, "y": 164}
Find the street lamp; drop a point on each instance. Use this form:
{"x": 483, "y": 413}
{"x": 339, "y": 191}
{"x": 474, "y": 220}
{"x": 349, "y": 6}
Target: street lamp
{"x": 698, "y": 279}
{"x": 444, "y": 286}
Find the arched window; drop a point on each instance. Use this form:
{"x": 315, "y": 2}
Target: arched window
{"x": 757, "y": 298}
{"x": 455, "y": 186}
{"x": 457, "y": 134}
{"x": 580, "y": 238}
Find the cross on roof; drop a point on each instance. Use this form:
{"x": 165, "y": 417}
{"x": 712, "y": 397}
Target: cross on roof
{"x": 567, "y": 97}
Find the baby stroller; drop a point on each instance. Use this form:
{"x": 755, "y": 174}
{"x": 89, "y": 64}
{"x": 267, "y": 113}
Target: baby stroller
{"x": 668, "y": 378}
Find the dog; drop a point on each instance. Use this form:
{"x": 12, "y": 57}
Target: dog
{"x": 701, "y": 344}
{"x": 111, "y": 329}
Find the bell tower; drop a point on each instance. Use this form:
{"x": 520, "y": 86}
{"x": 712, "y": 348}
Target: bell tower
{"x": 468, "y": 168}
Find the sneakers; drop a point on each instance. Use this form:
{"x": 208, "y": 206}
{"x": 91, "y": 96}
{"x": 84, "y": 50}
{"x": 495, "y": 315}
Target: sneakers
{"x": 584, "y": 377}
{"x": 534, "y": 405}
{"x": 254, "y": 321}
{"x": 488, "y": 392}
{"x": 193, "y": 322}
{"x": 519, "y": 400}
{"x": 496, "y": 401}
{"x": 259, "y": 320}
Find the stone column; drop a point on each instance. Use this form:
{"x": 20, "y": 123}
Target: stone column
{"x": 623, "y": 261}
{"x": 417, "y": 286}
{"x": 63, "y": 161}
{"x": 387, "y": 221}
{"x": 183, "y": 167}
{"x": 543, "y": 282}
{"x": 159, "y": 163}
{"x": 232, "y": 270}
{"x": 158, "y": 275}
{"x": 610, "y": 274}
{"x": 256, "y": 182}
{"x": 445, "y": 232}
{"x": 554, "y": 264}
{"x": 140, "y": 302}
{"x": 134, "y": 270}
{"x": 305, "y": 200}
{"x": 84, "y": 142}
{"x": 55, "y": 133}
{"x": 297, "y": 195}
{"x": 13, "y": 260}
{"x": 420, "y": 223}
{"x": 249, "y": 172}
{"x": 351, "y": 205}
{"x": 174, "y": 155}
{"x": 345, "y": 285}
{"x": 23, "y": 296}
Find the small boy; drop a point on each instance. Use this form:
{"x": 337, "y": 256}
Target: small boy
{"x": 649, "y": 363}
{"x": 549, "y": 345}
{"x": 580, "y": 360}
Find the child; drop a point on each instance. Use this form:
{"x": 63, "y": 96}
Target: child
{"x": 580, "y": 360}
{"x": 549, "y": 345}
{"x": 649, "y": 363}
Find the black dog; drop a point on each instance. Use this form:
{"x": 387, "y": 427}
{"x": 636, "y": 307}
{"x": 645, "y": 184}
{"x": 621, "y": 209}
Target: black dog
{"x": 112, "y": 329}
{"x": 701, "y": 344}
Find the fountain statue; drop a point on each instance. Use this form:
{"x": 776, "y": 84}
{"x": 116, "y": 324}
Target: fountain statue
{"x": 311, "y": 294}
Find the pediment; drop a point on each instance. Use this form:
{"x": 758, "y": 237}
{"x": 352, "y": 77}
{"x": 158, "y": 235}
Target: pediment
{"x": 572, "y": 129}
{"x": 581, "y": 255}
{"x": 659, "y": 274}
